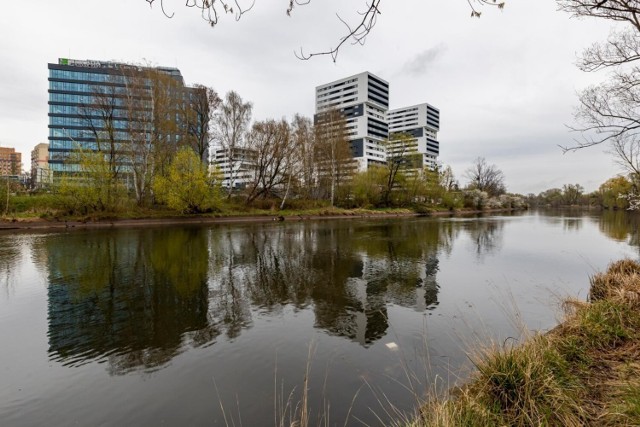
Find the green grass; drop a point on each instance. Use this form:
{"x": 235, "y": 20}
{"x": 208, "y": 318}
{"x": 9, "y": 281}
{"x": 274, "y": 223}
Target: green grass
{"x": 584, "y": 372}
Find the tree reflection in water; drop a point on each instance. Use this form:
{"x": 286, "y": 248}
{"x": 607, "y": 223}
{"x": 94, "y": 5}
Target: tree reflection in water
{"x": 486, "y": 236}
{"x": 348, "y": 272}
{"x": 137, "y": 298}
{"x": 131, "y": 296}
{"x": 621, "y": 226}
{"x": 9, "y": 259}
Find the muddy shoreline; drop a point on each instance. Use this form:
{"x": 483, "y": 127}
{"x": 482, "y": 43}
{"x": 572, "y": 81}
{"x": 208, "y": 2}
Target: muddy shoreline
{"x": 40, "y": 224}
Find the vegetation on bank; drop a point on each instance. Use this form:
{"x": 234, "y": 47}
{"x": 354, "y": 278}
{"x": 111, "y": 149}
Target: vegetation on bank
{"x": 584, "y": 372}
{"x": 188, "y": 187}
{"x": 617, "y": 193}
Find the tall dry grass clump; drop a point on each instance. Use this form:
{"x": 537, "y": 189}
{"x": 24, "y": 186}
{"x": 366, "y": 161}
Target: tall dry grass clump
{"x": 523, "y": 385}
{"x": 584, "y": 372}
{"x": 621, "y": 282}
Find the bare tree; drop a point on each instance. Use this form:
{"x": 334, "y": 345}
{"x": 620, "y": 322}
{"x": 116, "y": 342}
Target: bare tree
{"x": 203, "y": 102}
{"x": 103, "y": 116}
{"x": 303, "y": 138}
{"x": 333, "y": 151}
{"x": 612, "y": 109}
{"x": 626, "y": 150}
{"x": 231, "y": 123}
{"x": 140, "y": 122}
{"x": 169, "y": 131}
{"x": 355, "y": 33}
{"x": 485, "y": 177}
{"x": 447, "y": 179}
{"x": 399, "y": 159}
{"x": 273, "y": 159}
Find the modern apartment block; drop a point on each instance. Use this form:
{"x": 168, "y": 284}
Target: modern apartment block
{"x": 40, "y": 172}
{"x": 87, "y": 104}
{"x": 10, "y": 162}
{"x": 236, "y": 169}
{"x": 421, "y": 122}
{"x": 363, "y": 100}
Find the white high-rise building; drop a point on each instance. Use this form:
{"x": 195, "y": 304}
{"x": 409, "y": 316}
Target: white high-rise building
{"x": 422, "y": 123}
{"x": 363, "y": 99}
{"x": 237, "y": 170}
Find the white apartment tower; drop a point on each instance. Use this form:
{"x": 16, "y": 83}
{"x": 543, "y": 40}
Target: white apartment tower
{"x": 422, "y": 123}
{"x": 363, "y": 99}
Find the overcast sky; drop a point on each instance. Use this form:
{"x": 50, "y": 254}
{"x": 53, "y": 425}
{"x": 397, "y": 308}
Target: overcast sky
{"x": 505, "y": 83}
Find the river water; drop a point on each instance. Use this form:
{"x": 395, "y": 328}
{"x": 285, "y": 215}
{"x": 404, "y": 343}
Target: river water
{"x": 229, "y": 324}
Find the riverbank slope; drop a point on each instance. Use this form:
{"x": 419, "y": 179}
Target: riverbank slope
{"x": 586, "y": 371}
{"x": 28, "y": 223}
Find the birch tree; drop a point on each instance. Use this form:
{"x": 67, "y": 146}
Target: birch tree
{"x": 333, "y": 151}
{"x": 231, "y": 123}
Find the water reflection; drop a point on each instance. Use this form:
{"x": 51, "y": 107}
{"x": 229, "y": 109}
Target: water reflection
{"x": 133, "y": 301}
{"x": 621, "y": 226}
{"x": 9, "y": 259}
{"x": 486, "y": 236}
{"x": 347, "y": 273}
{"x": 137, "y": 298}
{"x": 127, "y": 296}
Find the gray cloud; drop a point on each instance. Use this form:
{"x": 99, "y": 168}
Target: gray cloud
{"x": 425, "y": 59}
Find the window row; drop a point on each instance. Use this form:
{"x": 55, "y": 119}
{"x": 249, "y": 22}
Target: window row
{"x": 91, "y": 88}
{"x": 83, "y": 75}
{"x": 83, "y": 133}
{"x": 81, "y": 99}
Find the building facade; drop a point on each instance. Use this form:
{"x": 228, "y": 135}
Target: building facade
{"x": 363, "y": 100}
{"x": 420, "y": 125}
{"x": 236, "y": 167}
{"x": 40, "y": 172}
{"x": 90, "y": 104}
{"x": 10, "y": 162}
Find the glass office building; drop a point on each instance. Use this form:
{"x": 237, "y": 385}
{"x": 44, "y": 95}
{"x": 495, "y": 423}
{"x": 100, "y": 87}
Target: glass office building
{"x": 87, "y": 101}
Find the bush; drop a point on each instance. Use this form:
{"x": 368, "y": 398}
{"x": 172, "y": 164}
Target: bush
{"x": 187, "y": 187}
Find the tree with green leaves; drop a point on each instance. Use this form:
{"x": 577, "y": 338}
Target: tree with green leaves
{"x": 187, "y": 186}
{"x": 93, "y": 188}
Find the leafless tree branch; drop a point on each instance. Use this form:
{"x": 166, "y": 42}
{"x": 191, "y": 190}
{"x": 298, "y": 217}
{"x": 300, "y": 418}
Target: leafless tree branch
{"x": 212, "y": 11}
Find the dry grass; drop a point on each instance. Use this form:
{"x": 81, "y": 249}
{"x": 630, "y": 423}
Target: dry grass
{"x": 584, "y": 372}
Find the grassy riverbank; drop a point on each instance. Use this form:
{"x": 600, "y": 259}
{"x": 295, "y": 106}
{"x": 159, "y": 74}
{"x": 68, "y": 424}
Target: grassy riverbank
{"x": 584, "y": 372}
{"x": 31, "y": 215}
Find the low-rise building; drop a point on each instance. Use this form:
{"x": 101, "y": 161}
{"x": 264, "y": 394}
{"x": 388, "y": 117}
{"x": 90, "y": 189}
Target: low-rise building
{"x": 40, "y": 172}
{"x": 236, "y": 167}
{"x": 10, "y": 162}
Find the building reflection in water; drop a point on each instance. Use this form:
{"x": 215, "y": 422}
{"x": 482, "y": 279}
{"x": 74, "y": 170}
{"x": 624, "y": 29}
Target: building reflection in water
{"x": 137, "y": 298}
{"x": 132, "y": 297}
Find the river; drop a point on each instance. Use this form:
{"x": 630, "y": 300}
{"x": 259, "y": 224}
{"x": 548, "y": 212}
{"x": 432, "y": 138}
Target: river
{"x": 229, "y": 324}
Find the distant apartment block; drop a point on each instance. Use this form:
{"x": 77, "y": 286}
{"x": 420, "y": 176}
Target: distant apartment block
{"x": 363, "y": 100}
{"x": 236, "y": 167}
{"x": 421, "y": 122}
{"x": 40, "y": 172}
{"x": 10, "y": 162}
